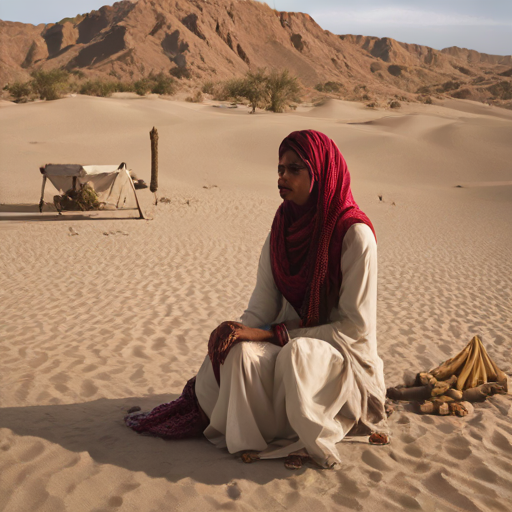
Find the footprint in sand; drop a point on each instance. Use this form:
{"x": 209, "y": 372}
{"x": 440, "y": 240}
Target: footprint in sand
{"x": 501, "y": 442}
{"x": 374, "y": 461}
{"x": 413, "y": 451}
{"x": 115, "y": 501}
{"x": 485, "y": 474}
{"x": 88, "y": 388}
{"x": 459, "y": 448}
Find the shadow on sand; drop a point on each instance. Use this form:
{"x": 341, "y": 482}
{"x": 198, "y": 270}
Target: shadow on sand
{"x": 98, "y": 428}
{"x": 30, "y": 212}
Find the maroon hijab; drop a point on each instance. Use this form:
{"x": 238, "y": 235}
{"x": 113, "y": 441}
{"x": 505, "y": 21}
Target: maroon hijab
{"x": 306, "y": 241}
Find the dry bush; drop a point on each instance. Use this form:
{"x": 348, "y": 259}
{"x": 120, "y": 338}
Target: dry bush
{"x": 50, "y": 85}
{"x": 162, "y": 84}
{"x": 98, "y": 88}
{"x": 180, "y": 73}
{"x": 21, "y": 92}
{"x": 208, "y": 87}
{"x": 329, "y": 87}
{"x": 283, "y": 89}
{"x": 256, "y": 88}
{"x": 143, "y": 86}
{"x": 196, "y": 98}
{"x": 273, "y": 91}
{"x": 233, "y": 89}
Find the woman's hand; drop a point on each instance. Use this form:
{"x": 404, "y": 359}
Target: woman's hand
{"x": 228, "y": 334}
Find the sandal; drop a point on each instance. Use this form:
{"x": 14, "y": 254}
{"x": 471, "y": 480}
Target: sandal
{"x": 294, "y": 461}
{"x": 249, "y": 457}
{"x": 378, "y": 438}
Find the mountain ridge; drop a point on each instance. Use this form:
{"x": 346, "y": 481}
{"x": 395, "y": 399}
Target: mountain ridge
{"x": 220, "y": 39}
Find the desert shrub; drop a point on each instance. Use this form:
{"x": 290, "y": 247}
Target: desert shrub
{"x": 98, "y": 88}
{"x": 273, "y": 91}
{"x": 282, "y": 89}
{"x": 329, "y": 87}
{"x": 143, "y": 86}
{"x": 79, "y": 74}
{"x": 162, "y": 84}
{"x": 49, "y": 85}
{"x": 233, "y": 89}
{"x": 125, "y": 87}
{"x": 180, "y": 73}
{"x": 428, "y": 100}
{"x": 208, "y": 87}
{"x": 256, "y": 88}
{"x": 196, "y": 98}
{"x": 20, "y": 91}
{"x": 395, "y": 104}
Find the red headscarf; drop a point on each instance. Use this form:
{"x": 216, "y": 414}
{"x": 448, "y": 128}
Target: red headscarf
{"x": 306, "y": 241}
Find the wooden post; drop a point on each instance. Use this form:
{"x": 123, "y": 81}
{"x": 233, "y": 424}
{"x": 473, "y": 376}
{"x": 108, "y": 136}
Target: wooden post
{"x": 153, "y": 135}
{"x": 135, "y": 194}
{"x": 41, "y": 202}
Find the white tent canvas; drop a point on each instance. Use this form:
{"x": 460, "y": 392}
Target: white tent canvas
{"x": 112, "y": 184}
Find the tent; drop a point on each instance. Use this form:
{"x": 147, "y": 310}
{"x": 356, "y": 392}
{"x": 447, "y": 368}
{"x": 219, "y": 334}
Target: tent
{"x": 112, "y": 184}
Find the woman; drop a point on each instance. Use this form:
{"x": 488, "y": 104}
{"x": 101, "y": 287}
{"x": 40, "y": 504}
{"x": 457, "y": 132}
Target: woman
{"x": 300, "y": 370}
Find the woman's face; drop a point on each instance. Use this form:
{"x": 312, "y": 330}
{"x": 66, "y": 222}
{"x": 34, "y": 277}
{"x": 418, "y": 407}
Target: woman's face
{"x": 294, "y": 182}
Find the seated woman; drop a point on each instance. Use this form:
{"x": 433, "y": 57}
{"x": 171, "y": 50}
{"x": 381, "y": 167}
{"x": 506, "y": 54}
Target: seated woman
{"x": 300, "y": 370}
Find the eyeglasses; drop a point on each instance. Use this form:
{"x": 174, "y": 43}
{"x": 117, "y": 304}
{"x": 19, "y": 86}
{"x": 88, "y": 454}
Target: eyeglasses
{"x": 292, "y": 168}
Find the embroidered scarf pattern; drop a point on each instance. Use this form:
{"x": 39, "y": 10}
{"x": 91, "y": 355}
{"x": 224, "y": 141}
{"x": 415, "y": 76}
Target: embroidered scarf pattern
{"x": 306, "y": 241}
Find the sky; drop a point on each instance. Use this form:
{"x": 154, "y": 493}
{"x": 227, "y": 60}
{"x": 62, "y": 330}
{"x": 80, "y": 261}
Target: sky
{"x": 482, "y": 25}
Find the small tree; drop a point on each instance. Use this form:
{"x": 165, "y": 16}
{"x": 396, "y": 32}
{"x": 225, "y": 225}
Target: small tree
{"x": 255, "y": 88}
{"x": 49, "y": 85}
{"x": 282, "y": 88}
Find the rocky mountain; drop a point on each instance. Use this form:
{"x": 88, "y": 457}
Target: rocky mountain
{"x": 200, "y": 40}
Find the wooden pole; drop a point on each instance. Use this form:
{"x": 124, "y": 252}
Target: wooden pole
{"x": 41, "y": 202}
{"x": 135, "y": 194}
{"x": 153, "y": 135}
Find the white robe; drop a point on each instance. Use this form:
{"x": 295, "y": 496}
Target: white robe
{"x": 311, "y": 392}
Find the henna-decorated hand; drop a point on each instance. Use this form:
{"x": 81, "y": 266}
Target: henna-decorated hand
{"x": 228, "y": 334}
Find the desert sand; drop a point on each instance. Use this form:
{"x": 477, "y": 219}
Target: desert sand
{"x": 95, "y": 323}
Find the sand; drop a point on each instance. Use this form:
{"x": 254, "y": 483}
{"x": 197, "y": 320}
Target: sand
{"x": 93, "y": 324}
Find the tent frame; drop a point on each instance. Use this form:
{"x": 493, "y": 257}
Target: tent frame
{"x": 41, "y": 202}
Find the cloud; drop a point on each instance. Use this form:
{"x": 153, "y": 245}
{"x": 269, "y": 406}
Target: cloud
{"x": 404, "y": 17}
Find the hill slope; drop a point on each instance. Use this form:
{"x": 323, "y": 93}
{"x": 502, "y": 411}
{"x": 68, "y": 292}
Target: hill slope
{"x": 219, "y": 39}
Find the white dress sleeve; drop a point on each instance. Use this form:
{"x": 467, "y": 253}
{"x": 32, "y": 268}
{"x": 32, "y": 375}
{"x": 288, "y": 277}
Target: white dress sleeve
{"x": 266, "y": 300}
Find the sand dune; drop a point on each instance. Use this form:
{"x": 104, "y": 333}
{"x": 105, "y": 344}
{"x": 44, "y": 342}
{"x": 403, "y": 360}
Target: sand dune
{"x": 94, "y": 323}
